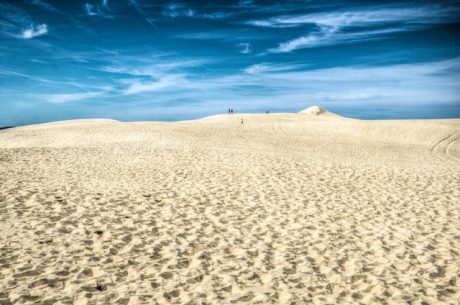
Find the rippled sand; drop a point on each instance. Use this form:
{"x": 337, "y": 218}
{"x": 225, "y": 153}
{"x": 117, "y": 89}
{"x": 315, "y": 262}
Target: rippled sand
{"x": 283, "y": 209}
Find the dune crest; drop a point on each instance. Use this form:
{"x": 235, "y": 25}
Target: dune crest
{"x": 316, "y": 110}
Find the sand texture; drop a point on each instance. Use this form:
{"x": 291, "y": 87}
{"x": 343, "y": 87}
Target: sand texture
{"x": 283, "y": 209}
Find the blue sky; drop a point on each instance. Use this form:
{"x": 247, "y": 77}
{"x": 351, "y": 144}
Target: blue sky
{"x": 168, "y": 60}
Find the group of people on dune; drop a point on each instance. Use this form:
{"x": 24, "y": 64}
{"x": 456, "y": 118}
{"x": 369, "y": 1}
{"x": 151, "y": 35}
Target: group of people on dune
{"x": 230, "y": 111}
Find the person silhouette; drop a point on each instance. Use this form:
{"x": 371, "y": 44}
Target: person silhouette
{"x": 242, "y": 121}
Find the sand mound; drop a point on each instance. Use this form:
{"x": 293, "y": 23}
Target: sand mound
{"x": 315, "y": 110}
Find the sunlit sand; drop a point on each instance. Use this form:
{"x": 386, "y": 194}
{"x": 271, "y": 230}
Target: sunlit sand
{"x": 307, "y": 208}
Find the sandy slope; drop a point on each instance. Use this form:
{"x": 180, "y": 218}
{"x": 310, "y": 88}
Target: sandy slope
{"x": 283, "y": 209}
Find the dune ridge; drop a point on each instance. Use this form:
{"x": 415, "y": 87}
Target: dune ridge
{"x": 282, "y": 209}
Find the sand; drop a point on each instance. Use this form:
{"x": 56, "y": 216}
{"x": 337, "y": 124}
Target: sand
{"x": 316, "y": 110}
{"x": 283, "y": 209}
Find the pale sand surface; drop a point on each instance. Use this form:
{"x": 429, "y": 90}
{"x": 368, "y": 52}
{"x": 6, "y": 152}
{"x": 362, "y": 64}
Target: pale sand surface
{"x": 284, "y": 209}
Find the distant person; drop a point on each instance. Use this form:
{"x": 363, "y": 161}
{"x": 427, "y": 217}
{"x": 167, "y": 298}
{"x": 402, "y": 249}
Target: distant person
{"x": 242, "y": 121}
{"x": 231, "y": 110}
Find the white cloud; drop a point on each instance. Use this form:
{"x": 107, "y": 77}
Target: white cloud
{"x": 432, "y": 14}
{"x": 90, "y": 10}
{"x": 215, "y": 15}
{"x": 230, "y": 35}
{"x": 303, "y": 41}
{"x": 245, "y": 48}
{"x": 258, "y": 68}
{"x": 70, "y": 97}
{"x": 175, "y": 10}
{"x": 13, "y": 18}
{"x": 333, "y": 27}
{"x": 178, "y": 10}
{"x": 270, "y": 23}
{"x": 271, "y": 67}
{"x": 98, "y": 10}
{"x": 44, "y": 5}
{"x": 24, "y": 75}
{"x": 408, "y": 84}
{"x": 271, "y": 85}
{"x": 34, "y": 31}
{"x": 148, "y": 19}
{"x": 137, "y": 86}
{"x": 245, "y": 3}
{"x": 159, "y": 75}
{"x": 206, "y": 36}
{"x": 156, "y": 68}
{"x": 331, "y": 36}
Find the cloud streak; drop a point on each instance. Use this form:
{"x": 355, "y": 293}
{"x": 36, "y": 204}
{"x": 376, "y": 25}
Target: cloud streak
{"x": 71, "y": 97}
{"x": 245, "y": 47}
{"x": 45, "y": 5}
{"x": 293, "y": 85}
{"x": 432, "y": 14}
{"x": 34, "y": 31}
{"x": 176, "y": 10}
{"x": 136, "y": 86}
{"x": 272, "y": 67}
{"x": 329, "y": 36}
{"x": 17, "y": 23}
{"x": 98, "y": 10}
{"x": 338, "y": 27}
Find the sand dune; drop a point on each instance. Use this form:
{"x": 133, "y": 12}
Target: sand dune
{"x": 283, "y": 209}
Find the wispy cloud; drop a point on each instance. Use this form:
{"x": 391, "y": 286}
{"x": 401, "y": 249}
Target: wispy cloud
{"x": 404, "y": 83}
{"x": 215, "y": 15}
{"x": 137, "y": 86}
{"x": 45, "y": 5}
{"x": 268, "y": 85}
{"x": 270, "y": 23}
{"x": 90, "y": 11}
{"x": 11, "y": 73}
{"x": 245, "y": 3}
{"x": 150, "y": 20}
{"x": 98, "y": 10}
{"x": 139, "y": 75}
{"x": 431, "y": 14}
{"x": 223, "y": 35}
{"x": 175, "y": 10}
{"x": 50, "y": 82}
{"x": 293, "y": 85}
{"x": 326, "y": 36}
{"x": 71, "y": 97}
{"x": 17, "y": 23}
{"x": 245, "y": 47}
{"x": 228, "y": 35}
{"x": 272, "y": 67}
{"x": 154, "y": 68}
{"x": 34, "y": 31}
{"x": 329, "y": 28}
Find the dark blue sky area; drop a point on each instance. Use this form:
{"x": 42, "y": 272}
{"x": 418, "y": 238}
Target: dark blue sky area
{"x": 169, "y": 60}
